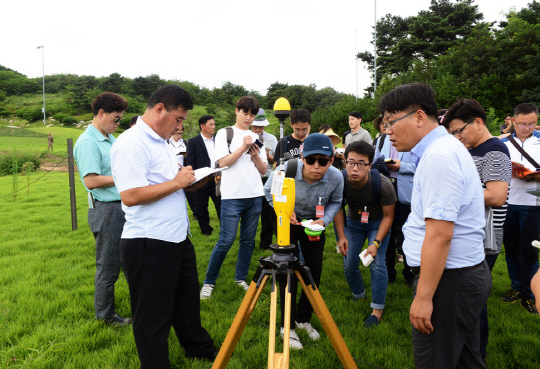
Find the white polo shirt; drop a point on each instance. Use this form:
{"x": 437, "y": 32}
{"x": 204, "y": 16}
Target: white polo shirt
{"x": 518, "y": 187}
{"x": 139, "y": 158}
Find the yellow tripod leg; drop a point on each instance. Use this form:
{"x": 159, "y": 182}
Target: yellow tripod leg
{"x": 330, "y": 327}
{"x": 239, "y": 323}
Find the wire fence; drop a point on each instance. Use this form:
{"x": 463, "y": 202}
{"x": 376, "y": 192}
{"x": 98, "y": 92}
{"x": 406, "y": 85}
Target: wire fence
{"x": 28, "y": 185}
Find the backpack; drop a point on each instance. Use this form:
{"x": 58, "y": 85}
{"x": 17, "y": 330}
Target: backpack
{"x": 230, "y": 134}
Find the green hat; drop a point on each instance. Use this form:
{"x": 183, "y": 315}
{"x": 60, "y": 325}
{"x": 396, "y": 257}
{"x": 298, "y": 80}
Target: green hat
{"x": 260, "y": 119}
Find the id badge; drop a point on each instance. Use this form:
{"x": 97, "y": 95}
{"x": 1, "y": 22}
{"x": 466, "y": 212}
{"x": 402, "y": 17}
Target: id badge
{"x": 277, "y": 183}
{"x": 319, "y": 211}
{"x": 365, "y": 217}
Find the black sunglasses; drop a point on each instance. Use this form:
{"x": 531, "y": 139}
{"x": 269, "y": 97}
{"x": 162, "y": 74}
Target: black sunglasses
{"x": 322, "y": 161}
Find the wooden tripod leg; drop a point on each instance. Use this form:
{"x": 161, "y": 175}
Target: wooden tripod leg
{"x": 328, "y": 324}
{"x": 239, "y": 323}
{"x": 279, "y": 360}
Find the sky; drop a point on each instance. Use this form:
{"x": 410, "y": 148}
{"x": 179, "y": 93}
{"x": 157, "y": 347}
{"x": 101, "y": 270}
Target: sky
{"x": 208, "y": 42}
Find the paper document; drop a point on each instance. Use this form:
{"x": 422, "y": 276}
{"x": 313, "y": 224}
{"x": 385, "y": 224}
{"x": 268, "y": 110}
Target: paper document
{"x": 205, "y": 172}
{"x": 366, "y": 259}
{"x": 314, "y": 227}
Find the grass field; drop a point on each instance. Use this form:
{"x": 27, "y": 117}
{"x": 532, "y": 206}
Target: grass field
{"x": 46, "y": 298}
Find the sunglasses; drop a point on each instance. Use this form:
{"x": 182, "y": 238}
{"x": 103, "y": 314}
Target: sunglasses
{"x": 322, "y": 161}
{"x": 117, "y": 120}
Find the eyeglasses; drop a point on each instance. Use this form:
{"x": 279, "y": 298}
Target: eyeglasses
{"x": 361, "y": 165}
{"x": 391, "y": 124}
{"x": 117, "y": 120}
{"x": 523, "y": 125}
{"x": 322, "y": 161}
{"x": 457, "y": 132}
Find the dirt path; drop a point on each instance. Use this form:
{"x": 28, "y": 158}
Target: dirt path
{"x": 47, "y": 166}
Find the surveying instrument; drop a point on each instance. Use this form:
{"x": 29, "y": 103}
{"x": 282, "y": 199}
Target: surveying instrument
{"x": 280, "y": 266}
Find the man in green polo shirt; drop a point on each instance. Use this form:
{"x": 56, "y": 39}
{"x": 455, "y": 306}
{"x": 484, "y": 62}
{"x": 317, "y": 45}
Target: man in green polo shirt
{"x": 105, "y": 215}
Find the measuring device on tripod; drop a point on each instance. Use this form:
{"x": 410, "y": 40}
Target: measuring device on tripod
{"x": 282, "y": 264}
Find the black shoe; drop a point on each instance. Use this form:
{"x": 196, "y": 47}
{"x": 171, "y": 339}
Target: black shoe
{"x": 264, "y": 246}
{"x": 530, "y": 306}
{"x": 117, "y": 320}
{"x": 511, "y": 296}
{"x": 391, "y": 279}
{"x": 208, "y": 233}
{"x": 210, "y": 357}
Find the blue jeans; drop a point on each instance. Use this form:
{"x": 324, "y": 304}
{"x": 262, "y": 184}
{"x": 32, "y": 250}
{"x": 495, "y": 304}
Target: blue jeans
{"x": 231, "y": 212}
{"x": 356, "y": 233}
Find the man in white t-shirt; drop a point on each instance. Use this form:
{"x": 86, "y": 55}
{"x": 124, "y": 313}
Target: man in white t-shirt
{"x": 241, "y": 193}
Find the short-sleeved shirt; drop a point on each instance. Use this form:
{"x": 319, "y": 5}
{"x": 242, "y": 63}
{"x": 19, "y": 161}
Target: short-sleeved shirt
{"x": 242, "y": 179}
{"x": 93, "y": 155}
{"x": 359, "y": 199}
{"x": 492, "y": 161}
{"x": 294, "y": 147}
{"x": 518, "y": 194}
{"x": 362, "y": 134}
{"x": 446, "y": 187}
{"x": 270, "y": 143}
{"x": 140, "y": 158}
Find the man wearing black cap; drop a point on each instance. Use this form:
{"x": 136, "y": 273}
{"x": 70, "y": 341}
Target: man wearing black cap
{"x": 317, "y": 183}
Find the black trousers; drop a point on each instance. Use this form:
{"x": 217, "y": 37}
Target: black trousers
{"x": 268, "y": 222}
{"x": 401, "y": 213}
{"x": 484, "y": 327}
{"x": 202, "y": 195}
{"x": 313, "y": 256}
{"x": 164, "y": 292}
{"x": 457, "y": 303}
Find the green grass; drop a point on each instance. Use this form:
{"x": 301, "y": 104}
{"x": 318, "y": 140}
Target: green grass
{"x": 47, "y": 286}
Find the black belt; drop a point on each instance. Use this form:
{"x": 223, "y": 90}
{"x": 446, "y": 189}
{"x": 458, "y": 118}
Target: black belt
{"x": 107, "y": 201}
{"x": 416, "y": 270}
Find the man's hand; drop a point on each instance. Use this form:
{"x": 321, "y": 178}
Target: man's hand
{"x": 248, "y": 141}
{"x": 294, "y": 221}
{"x": 372, "y": 250}
{"x": 319, "y": 222}
{"x": 343, "y": 246}
{"x": 420, "y": 315}
{"x": 530, "y": 177}
{"x": 202, "y": 182}
{"x": 254, "y": 150}
{"x": 394, "y": 167}
{"x": 185, "y": 176}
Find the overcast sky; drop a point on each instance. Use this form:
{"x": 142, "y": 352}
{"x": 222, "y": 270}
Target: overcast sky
{"x": 208, "y": 42}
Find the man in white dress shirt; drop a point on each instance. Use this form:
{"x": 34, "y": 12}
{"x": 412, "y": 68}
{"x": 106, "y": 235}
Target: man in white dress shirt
{"x": 444, "y": 234}
{"x": 155, "y": 249}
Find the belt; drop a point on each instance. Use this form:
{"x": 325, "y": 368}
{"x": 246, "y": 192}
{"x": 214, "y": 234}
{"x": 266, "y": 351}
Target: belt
{"x": 416, "y": 270}
{"x": 392, "y": 179}
{"x": 107, "y": 201}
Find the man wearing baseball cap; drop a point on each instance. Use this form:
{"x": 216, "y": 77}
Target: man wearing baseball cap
{"x": 318, "y": 184}
{"x": 268, "y": 215}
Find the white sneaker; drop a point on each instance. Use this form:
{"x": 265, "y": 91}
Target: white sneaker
{"x": 294, "y": 340}
{"x": 243, "y": 284}
{"x": 206, "y": 291}
{"x": 312, "y": 333}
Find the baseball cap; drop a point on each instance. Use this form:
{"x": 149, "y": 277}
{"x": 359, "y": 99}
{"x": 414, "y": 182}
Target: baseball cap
{"x": 317, "y": 143}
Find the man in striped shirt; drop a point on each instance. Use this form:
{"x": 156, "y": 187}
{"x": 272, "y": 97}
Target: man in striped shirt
{"x": 466, "y": 120}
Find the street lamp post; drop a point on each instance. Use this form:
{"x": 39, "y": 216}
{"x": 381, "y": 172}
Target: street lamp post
{"x": 43, "y": 63}
{"x": 375, "y": 62}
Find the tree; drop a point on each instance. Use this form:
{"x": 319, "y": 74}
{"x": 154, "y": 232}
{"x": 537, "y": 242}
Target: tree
{"x": 146, "y": 86}
{"x": 403, "y": 42}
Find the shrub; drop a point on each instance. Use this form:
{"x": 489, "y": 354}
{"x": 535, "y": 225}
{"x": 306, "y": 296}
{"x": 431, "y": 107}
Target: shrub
{"x": 69, "y": 120}
{"x": 59, "y": 116}
{"x": 5, "y": 113}
{"x": 6, "y": 162}
{"x": 32, "y": 115}
{"x": 20, "y": 112}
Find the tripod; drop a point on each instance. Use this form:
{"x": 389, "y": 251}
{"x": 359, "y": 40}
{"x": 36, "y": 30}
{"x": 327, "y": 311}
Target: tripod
{"x": 280, "y": 265}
